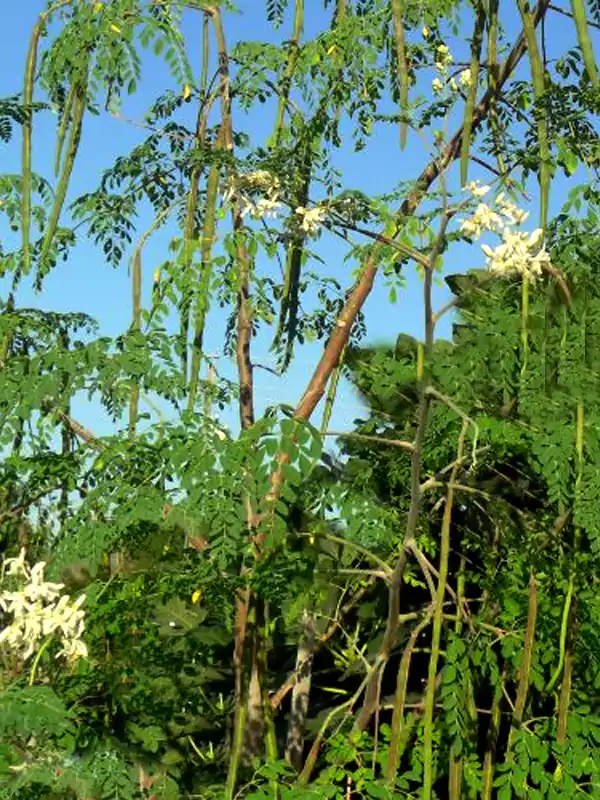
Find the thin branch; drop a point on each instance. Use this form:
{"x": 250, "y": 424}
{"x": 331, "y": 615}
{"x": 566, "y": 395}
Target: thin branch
{"x": 366, "y": 438}
{"x": 559, "y": 10}
{"x": 431, "y": 482}
{"x": 79, "y": 429}
{"x": 278, "y": 697}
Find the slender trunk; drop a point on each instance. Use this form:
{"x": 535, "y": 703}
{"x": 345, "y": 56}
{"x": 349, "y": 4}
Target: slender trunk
{"x": 300, "y": 694}
{"x": 371, "y": 699}
{"x": 428, "y": 774}
{"x": 564, "y": 701}
{"x": 456, "y": 762}
{"x": 250, "y": 613}
{"x": 491, "y": 742}
{"x": 525, "y": 667}
{"x": 399, "y": 726}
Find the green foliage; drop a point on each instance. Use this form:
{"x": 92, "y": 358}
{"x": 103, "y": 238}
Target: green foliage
{"x": 226, "y": 572}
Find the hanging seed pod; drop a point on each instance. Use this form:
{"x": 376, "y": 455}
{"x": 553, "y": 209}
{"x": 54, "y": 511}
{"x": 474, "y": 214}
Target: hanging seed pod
{"x": 585, "y": 42}
{"x": 398, "y": 10}
{"x": 62, "y": 130}
{"x": 476, "y": 43}
{"x": 493, "y": 67}
{"x": 290, "y": 299}
{"x": 338, "y": 17}
{"x": 136, "y": 303}
{"x": 188, "y": 245}
{"x": 63, "y": 183}
{"x": 190, "y": 231}
{"x": 340, "y": 11}
{"x": 539, "y": 86}
{"x": 26, "y": 147}
{"x": 290, "y": 68}
{"x": 203, "y": 291}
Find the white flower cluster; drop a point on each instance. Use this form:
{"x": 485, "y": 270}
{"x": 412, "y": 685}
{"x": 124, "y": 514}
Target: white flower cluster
{"x": 465, "y": 78}
{"x": 38, "y": 610}
{"x": 245, "y": 186}
{"x": 312, "y": 218}
{"x": 520, "y": 253}
{"x": 443, "y": 60}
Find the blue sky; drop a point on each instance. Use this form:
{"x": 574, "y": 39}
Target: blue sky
{"x": 85, "y": 283}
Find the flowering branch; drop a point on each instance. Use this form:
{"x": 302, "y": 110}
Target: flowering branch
{"x": 39, "y": 610}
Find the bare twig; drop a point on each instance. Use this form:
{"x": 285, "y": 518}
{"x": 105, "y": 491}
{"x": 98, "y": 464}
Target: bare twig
{"x": 366, "y": 438}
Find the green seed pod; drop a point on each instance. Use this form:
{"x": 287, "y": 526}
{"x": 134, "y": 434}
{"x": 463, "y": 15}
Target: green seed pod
{"x": 63, "y": 183}
{"x": 585, "y": 41}
{"x": 62, "y": 130}
{"x": 203, "y": 291}
{"x": 493, "y": 68}
{"x": 26, "y": 147}
{"x": 398, "y": 10}
{"x": 476, "y": 42}
{"x": 290, "y": 68}
{"x": 539, "y": 85}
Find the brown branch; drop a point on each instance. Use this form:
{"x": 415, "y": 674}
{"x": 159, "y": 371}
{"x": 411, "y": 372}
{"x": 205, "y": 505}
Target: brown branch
{"x": 249, "y": 722}
{"x": 244, "y": 316}
{"x": 78, "y": 429}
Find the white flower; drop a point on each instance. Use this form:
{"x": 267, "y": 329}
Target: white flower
{"x": 514, "y": 215}
{"x": 260, "y": 179}
{"x": 266, "y": 207}
{"x": 443, "y": 58}
{"x": 311, "y": 218}
{"x": 484, "y": 219}
{"x": 437, "y": 86}
{"x": 230, "y": 189}
{"x": 245, "y": 186}
{"x": 73, "y": 649}
{"x": 38, "y": 610}
{"x": 519, "y": 253}
{"x": 16, "y": 566}
{"x": 476, "y": 189}
{"x": 465, "y": 78}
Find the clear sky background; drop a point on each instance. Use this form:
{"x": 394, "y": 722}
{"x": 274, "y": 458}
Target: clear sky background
{"x": 87, "y": 284}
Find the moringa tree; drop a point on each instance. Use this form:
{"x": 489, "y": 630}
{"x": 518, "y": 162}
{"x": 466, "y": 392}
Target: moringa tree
{"x": 231, "y": 580}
